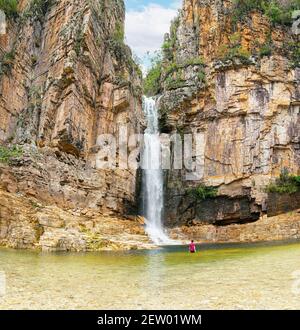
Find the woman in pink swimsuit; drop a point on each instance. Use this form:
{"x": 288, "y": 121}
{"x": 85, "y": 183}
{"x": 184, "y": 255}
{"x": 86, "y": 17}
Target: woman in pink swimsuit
{"x": 192, "y": 247}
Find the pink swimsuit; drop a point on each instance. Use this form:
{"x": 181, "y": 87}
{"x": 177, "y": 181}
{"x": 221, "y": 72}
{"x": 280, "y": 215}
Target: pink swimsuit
{"x": 192, "y": 248}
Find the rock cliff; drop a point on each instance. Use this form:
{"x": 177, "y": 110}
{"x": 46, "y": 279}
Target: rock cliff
{"x": 66, "y": 78}
{"x": 229, "y": 73}
{"x": 232, "y": 76}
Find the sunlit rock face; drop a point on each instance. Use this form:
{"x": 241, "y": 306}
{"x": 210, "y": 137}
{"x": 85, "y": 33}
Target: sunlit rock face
{"x": 245, "y": 105}
{"x": 66, "y": 78}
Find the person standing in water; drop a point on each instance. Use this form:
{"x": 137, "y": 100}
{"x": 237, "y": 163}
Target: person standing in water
{"x": 192, "y": 247}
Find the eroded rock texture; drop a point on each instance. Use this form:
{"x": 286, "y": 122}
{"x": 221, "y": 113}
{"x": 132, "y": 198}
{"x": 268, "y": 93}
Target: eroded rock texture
{"x": 66, "y": 78}
{"x": 237, "y": 84}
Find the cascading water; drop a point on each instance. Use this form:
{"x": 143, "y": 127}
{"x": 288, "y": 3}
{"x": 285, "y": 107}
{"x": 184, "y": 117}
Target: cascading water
{"x": 153, "y": 187}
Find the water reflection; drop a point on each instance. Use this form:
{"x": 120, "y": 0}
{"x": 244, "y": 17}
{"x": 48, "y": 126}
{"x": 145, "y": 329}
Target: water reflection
{"x": 222, "y": 277}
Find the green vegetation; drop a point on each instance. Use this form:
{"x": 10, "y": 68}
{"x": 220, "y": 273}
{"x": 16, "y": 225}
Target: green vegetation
{"x": 170, "y": 43}
{"x": 166, "y": 71}
{"x": 6, "y": 62}
{"x": 226, "y": 52}
{"x": 166, "y": 45}
{"x": 294, "y": 49}
{"x": 278, "y": 11}
{"x": 37, "y": 9}
{"x": 152, "y": 80}
{"x": 169, "y": 47}
{"x": 173, "y": 66}
{"x": 173, "y": 30}
{"x": 265, "y": 50}
{"x": 40, "y": 7}
{"x": 277, "y": 14}
{"x": 172, "y": 74}
{"x": 194, "y": 61}
{"x": 285, "y": 184}
{"x": 118, "y": 35}
{"x": 202, "y": 77}
{"x": 8, "y": 153}
{"x": 116, "y": 42}
{"x": 122, "y": 52}
{"x": 234, "y": 50}
{"x": 203, "y": 192}
{"x": 10, "y": 7}
{"x": 174, "y": 83}
{"x": 79, "y": 38}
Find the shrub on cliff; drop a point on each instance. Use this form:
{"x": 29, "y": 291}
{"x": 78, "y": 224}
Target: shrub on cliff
{"x": 116, "y": 42}
{"x": 285, "y": 184}
{"x": 152, "y": 79}
{"x": 203, "y": 192}
{"x": 6, "y": 62}
{"x": 294, "y": 48}
{"x": 10, "y": 7}
{"x": 278, "y": 11}
{"x": 265, "y": 50}
{"x": 169, "y": 44}
{"x": 38, "y": 9}
{"x": 233, "y": 50}
{"x": 8, "y": 153}
{"x": 174, "y": 74}
{"x": 121, "y": 51}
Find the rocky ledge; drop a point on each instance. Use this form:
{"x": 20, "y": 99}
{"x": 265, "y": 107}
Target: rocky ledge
{"x": 277, "y": 228}
{"x": 26, "y": 223}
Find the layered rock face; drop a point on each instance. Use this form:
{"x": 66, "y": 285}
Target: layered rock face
{"x": 236, "y": 84}
{"x": 66, "y": 78}
{"x": 278, "y": 228}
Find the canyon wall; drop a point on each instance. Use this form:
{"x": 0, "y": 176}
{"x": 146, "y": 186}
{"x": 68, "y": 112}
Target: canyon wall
{"x": 66, "y": 78}
{"x": 235, "y": 82}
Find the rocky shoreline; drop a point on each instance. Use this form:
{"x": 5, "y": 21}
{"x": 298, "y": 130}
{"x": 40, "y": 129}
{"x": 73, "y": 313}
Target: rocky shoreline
{"x": 26, "y": 223}
{"x": 278, "y": 228}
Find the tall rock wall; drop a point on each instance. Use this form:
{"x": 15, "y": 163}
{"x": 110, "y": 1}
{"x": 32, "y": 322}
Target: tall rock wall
{"x": 236, "y": 82}
{"x": 66, "y": 78}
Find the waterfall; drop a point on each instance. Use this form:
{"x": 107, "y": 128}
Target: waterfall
{"x": 153, "y": 186}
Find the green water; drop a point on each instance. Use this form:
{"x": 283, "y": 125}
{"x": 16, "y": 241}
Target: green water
{"x": 260, "y": 276}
